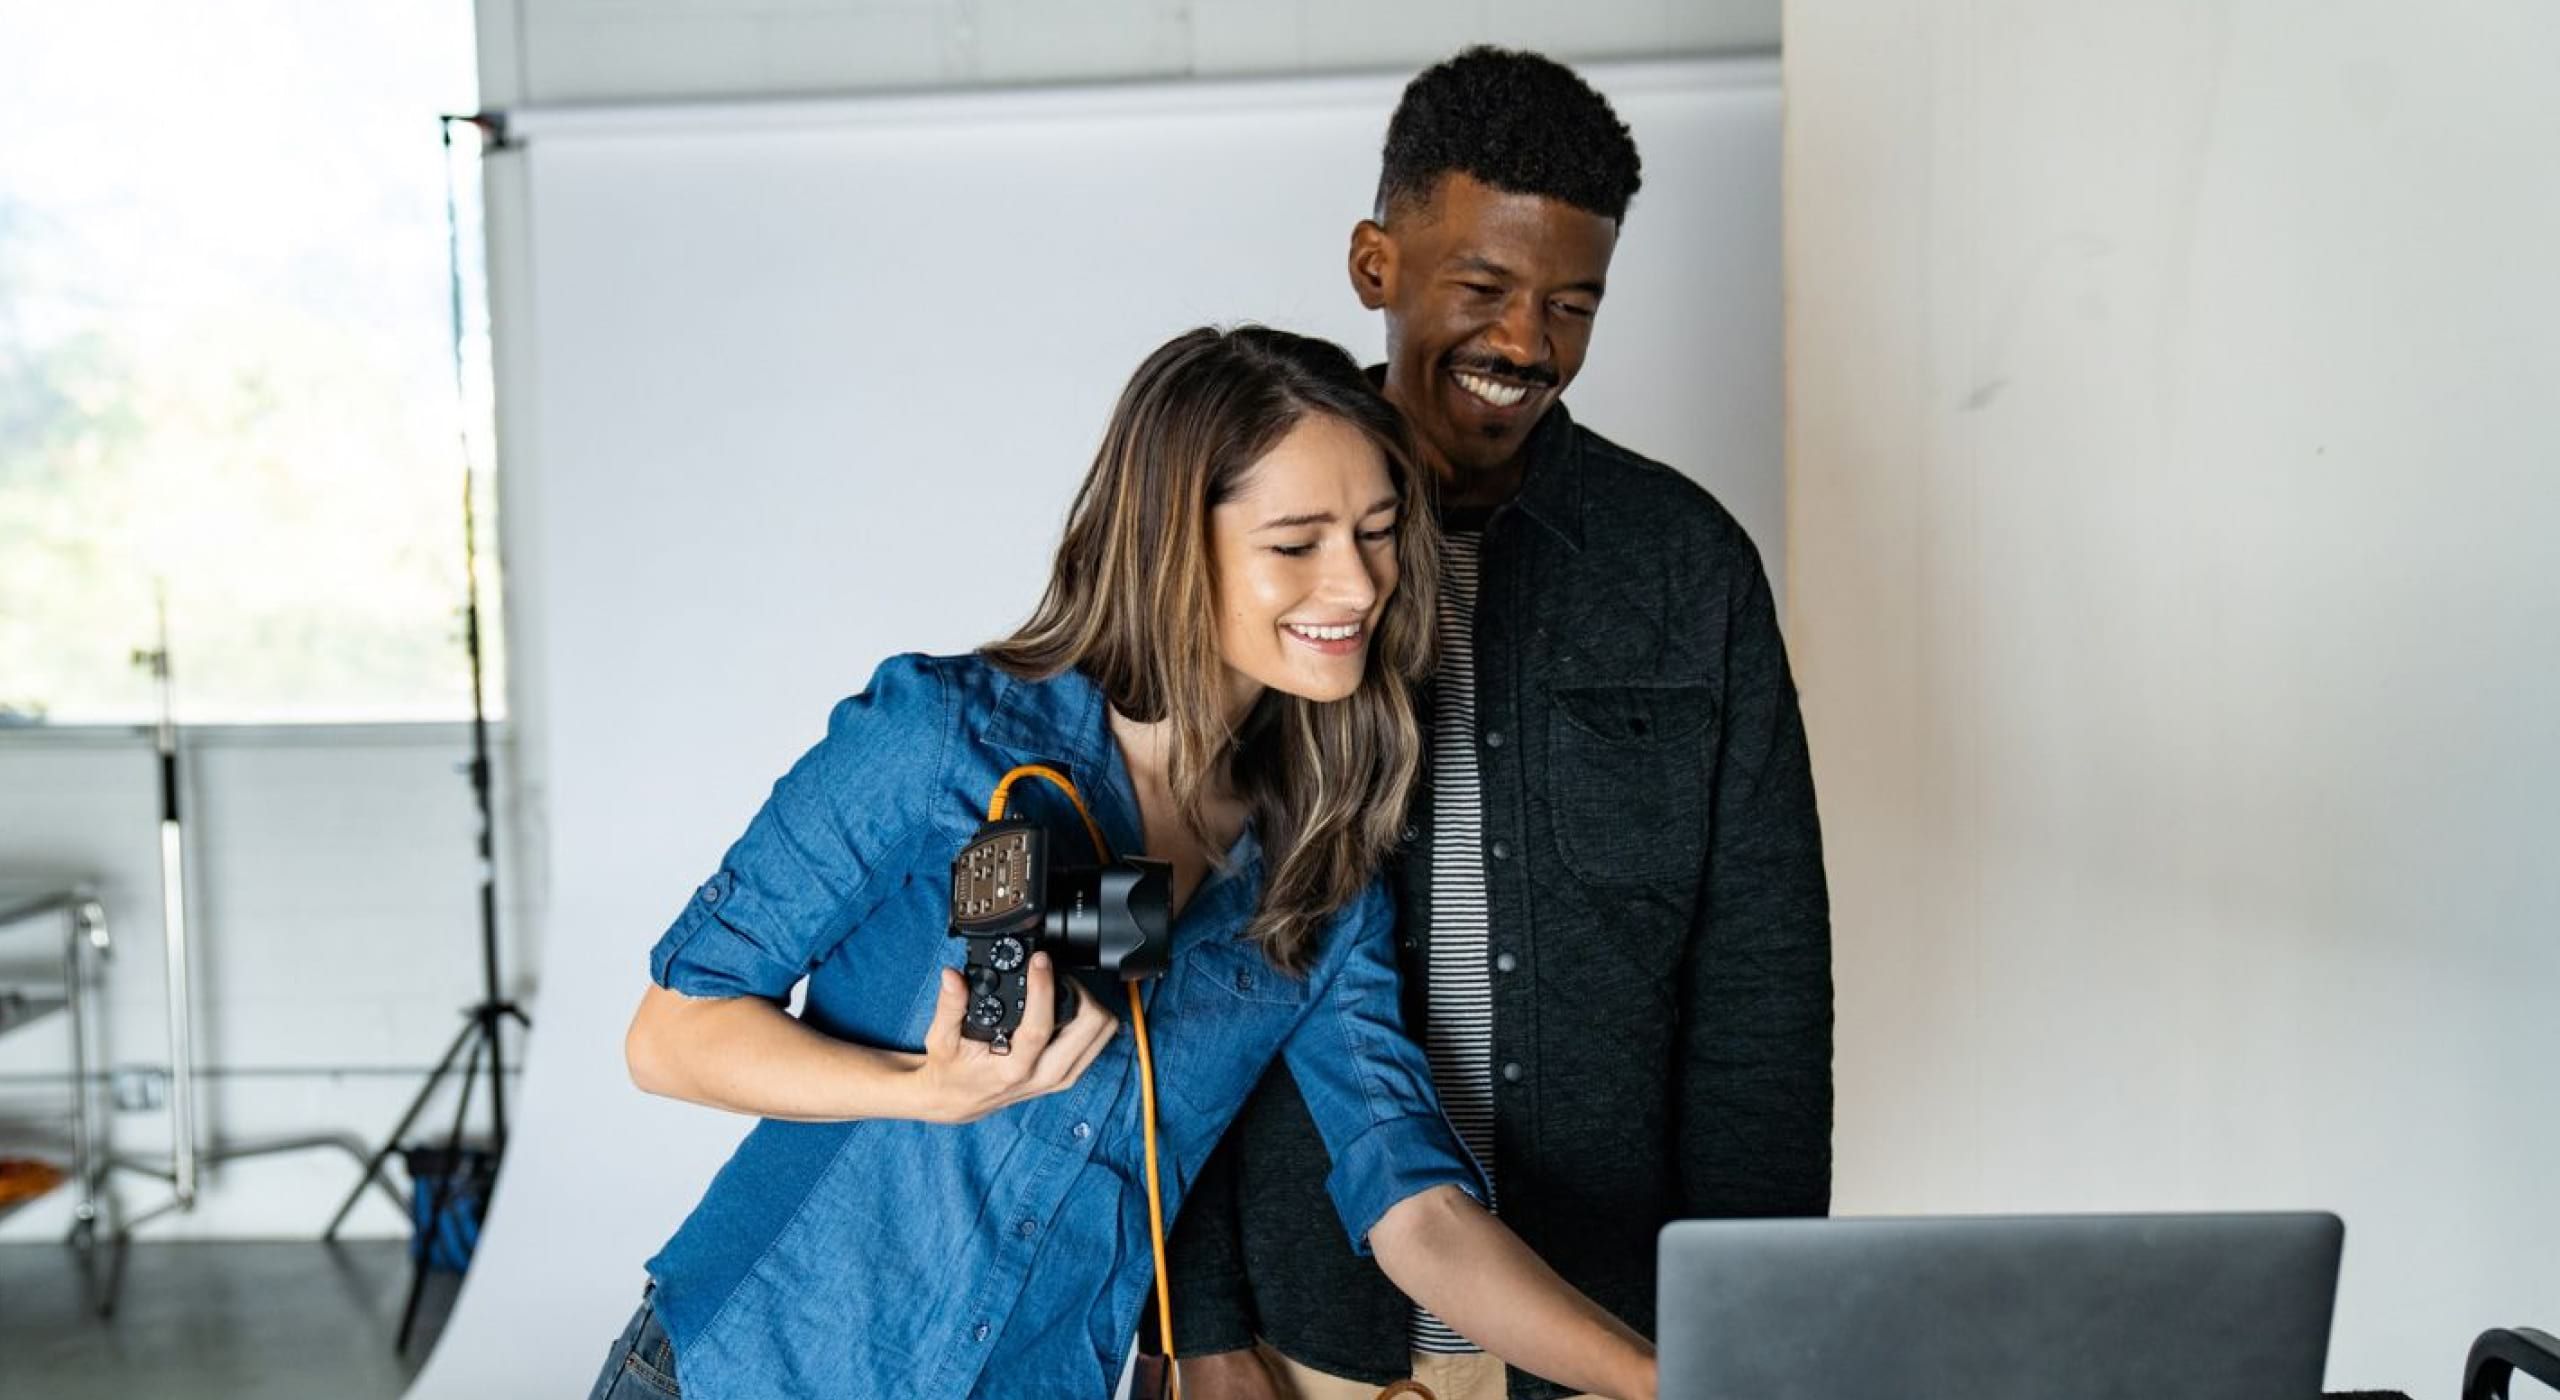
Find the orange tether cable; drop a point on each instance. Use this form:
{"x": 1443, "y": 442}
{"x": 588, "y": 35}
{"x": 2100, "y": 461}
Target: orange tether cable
{"x": 1146, "y": 1062}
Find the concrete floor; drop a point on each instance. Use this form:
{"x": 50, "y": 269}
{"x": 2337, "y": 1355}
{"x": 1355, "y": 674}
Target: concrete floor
{"x": 210, "y": 1321}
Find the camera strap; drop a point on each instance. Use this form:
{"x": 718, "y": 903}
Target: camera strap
{"x": 996, "y": 804}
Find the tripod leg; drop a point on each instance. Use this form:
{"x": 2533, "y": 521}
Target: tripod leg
{"x": 436, "y": 1200}
{"x": 391, "y": 1144}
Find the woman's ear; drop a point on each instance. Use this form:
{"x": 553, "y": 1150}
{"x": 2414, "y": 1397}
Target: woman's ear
{"x": 1373, "y": 264}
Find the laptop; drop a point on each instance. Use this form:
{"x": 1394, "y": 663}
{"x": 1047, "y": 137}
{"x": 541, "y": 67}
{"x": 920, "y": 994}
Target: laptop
{"x": 2098, "y": 1307}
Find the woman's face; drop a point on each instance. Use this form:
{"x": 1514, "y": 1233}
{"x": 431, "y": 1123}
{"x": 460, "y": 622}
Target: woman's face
{"x": 1305, "y": 558}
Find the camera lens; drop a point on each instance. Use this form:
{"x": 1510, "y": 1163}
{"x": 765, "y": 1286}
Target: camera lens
{"x": 1114, "y": 919}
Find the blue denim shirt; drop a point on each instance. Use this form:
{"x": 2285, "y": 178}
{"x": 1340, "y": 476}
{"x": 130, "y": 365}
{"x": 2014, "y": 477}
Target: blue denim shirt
{"x": 1006, "y": 1257}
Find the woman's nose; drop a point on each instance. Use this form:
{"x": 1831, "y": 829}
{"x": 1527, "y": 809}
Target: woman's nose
{"x": 1352, "y": 582}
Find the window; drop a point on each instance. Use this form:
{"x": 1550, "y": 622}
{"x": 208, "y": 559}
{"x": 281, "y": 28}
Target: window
{"x": 226, "y": 360}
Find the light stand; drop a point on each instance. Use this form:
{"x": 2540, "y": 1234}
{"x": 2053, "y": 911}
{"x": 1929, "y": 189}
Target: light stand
{"x": 185, "y": 1157}
{"x": 479, "y": 1043}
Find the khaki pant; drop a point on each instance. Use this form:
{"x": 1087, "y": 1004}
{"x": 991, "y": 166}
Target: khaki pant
{"x": 1474, "y": 1375}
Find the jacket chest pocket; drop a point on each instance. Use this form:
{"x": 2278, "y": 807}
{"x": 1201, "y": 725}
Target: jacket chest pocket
{"x": 1629, "y": 766}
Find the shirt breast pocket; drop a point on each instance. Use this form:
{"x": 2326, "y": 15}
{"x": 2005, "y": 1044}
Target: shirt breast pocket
{"x": 1628, "y": 771}
{"x": 1233, "y": 1009}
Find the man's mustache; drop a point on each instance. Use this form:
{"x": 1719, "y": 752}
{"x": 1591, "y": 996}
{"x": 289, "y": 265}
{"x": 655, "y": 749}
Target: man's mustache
{"x": 1496, "y": 367}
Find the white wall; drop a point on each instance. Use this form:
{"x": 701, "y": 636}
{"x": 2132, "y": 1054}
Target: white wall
{"x": 335, "y": 933}
{"x": 556, "y": 51}
{"x": 2173, "y": 482}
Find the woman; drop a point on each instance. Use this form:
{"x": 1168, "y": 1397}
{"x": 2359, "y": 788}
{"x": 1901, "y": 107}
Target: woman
{"x": 1223, "y": 665}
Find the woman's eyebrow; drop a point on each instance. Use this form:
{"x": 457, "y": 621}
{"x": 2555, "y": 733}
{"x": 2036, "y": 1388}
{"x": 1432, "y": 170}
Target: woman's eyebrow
{"x": 1289, "y": 521}
{"x": 1322, "y": 517}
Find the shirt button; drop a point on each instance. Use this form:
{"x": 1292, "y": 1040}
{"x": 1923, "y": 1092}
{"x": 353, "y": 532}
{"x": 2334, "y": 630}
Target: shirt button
{"x": 1504, "y": 962}
{"x": 711, "y": 893}
{"x": 1412, "y": 834}
{"x": 979, "y": 1332}
{"x": 1025, "y": 1229}
{"x": 1084, "y": 1130}
{"x": 1502, "y": 850}
{"x": 1511, "y": 1072}
{"x": 1493, "y": 738}
{"x": 1244, "y": 980}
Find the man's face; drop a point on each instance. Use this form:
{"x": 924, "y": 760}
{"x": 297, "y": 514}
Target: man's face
{"x": 1489, "y": 299}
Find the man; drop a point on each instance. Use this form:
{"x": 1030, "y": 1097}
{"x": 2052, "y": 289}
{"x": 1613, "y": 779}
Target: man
{"x": 1615, "y": 933}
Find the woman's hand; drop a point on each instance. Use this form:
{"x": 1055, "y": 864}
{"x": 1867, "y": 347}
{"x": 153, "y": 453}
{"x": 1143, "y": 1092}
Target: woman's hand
{"x": 961, "y": 1080}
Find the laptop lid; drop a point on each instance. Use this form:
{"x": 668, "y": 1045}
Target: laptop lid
{"x": 2122, "y": 1307}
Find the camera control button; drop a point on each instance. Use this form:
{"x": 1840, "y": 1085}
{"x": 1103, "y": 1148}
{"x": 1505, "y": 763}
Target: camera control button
{"x": 1511, "y": 1072}
{"x": 1504, "y": 962}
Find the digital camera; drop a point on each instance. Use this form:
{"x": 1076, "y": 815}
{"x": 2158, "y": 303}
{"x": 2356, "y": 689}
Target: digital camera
{"x": 1009, "y": 902}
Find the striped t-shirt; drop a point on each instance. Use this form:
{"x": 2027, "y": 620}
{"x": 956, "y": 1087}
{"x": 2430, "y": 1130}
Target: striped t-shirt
{"x": 1458, "y": 987}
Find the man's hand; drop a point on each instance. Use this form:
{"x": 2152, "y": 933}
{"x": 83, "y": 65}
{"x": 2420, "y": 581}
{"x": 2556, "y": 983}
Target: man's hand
{"x": 1232, "y": 1375}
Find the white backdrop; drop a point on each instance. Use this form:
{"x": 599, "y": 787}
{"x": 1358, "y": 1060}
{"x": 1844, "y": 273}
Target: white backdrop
{"x": 795, "y": 386}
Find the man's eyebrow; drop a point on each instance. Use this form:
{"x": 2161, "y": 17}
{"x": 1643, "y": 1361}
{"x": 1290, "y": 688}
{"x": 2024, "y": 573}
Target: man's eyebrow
{"x": 1483, "y": 266}
{"x": 1322, "y": 517}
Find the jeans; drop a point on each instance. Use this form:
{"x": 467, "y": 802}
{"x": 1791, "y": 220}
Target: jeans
{"x": 642, "y": 1364}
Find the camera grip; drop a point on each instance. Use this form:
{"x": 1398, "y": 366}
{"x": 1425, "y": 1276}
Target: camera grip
{"x": 998, "y": 973}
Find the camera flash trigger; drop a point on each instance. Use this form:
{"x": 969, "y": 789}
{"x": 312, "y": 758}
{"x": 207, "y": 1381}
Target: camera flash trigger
{"x": 997, "y": 881}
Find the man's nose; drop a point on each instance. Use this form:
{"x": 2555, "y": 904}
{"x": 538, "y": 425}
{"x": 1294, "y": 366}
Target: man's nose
{"x": 1520, "y": 336}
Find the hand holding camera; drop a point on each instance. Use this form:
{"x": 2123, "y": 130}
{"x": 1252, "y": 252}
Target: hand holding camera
{"x": 1008, "y": 1026}
{"x": 961, "y": 1079}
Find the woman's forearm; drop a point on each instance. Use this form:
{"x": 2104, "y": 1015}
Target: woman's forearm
{"x": 747, "y": 1055}
{"x": 1451, "y": 1256}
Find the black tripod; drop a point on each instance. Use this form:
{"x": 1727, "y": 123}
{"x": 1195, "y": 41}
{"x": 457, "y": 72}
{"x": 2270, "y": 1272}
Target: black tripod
{"x": 479, "y": 1043}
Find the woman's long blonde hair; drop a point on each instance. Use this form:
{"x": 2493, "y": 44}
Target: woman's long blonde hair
{"x": 1131, "y": 603}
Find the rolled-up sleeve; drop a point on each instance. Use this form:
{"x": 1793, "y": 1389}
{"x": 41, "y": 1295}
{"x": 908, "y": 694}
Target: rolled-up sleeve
{"x": 1368, "y": 1085}
{"x": 824, "y": 849}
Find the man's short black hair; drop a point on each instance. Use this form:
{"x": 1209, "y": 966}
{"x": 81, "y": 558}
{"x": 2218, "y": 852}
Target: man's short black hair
{"x": 1520, "y": 122}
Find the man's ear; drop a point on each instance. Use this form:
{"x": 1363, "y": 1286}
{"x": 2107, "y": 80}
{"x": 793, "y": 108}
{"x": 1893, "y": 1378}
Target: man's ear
{"x": 1373, "y": 264}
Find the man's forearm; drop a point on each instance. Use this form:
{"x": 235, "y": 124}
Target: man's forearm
{"x": 1454, "y": 1258}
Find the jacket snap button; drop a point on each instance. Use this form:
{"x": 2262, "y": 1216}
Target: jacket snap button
{"x": 1511, "y": 1072}
{"x": 1504, "y": 962}
{"x": 1493, "y": 738}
